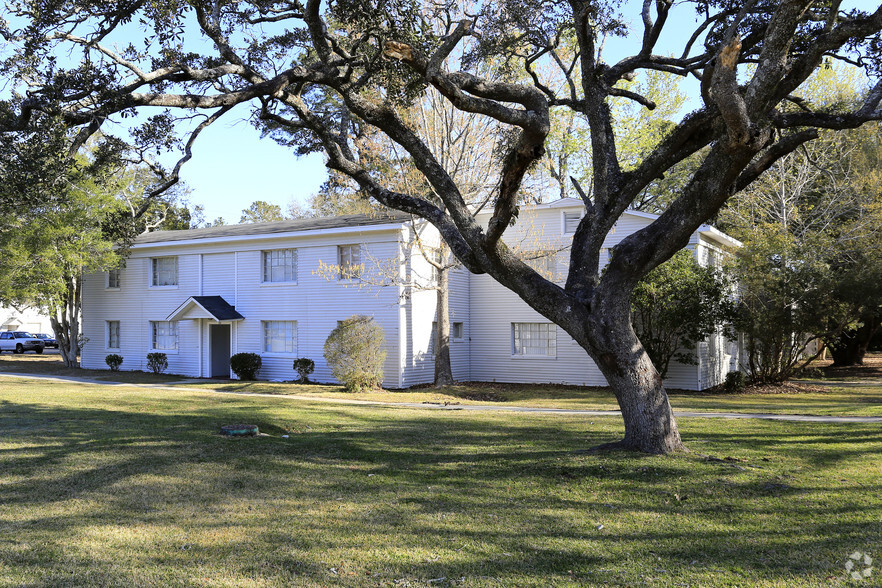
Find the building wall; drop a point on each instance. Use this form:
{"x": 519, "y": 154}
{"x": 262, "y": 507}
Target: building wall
{"x": 494, "y": 308}
{"x": 233, "y": 270}
{"x": 32, "y": 320}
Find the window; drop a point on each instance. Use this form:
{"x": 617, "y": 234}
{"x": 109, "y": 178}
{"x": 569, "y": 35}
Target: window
{"x": 164, "y": 334}
{"x": 349, "y": 260}
{"x": 571, "y": 221}
{"x": 280, "y": 265}
{"x": 113, "y": 334}
{"x": 534, "y": 339}
{"x": 165, "y": 271}
{"x": 113, "y": 278}
{"x": 456, "y": 331}
{"x": 280, "y": 336}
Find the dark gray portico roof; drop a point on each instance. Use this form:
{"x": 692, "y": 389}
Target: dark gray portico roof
{"x": 288, "y": 226}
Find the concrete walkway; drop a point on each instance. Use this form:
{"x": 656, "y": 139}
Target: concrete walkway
{"x": 182, "y": 385}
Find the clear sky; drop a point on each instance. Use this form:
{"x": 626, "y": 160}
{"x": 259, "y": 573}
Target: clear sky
{"x": 232, "y": 167}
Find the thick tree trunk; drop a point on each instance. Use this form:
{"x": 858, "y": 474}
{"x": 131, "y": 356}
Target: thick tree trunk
{"x": 649, "y": 421}
{"x": 443, "y": 370}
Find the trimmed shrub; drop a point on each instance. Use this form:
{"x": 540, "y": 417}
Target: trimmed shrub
{"x": 157, "y": 362}
{"x": 303, "y": 366}
{"x": 113, "y": 361}
{"x": 355, "y": 352}
{"x": 735, "y": 382}
{"x": 246, "y": 365}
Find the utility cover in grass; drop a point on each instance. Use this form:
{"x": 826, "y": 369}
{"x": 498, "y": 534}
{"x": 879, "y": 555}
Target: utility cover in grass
{"x": 239, "y": 430}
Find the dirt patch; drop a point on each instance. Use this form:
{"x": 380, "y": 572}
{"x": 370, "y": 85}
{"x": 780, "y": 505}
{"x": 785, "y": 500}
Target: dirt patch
{"x": 785, "y": 388}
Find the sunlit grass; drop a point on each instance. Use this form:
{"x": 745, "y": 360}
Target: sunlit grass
{"x": 130, "y": 486}
{"x": 835, "y": 401}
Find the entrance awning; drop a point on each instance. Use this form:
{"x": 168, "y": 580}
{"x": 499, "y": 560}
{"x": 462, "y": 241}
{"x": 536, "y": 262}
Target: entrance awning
{"x": 207, "y": 307}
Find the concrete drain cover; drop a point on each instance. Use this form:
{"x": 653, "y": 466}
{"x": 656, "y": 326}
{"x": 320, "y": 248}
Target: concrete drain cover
{"x": 239, "y": 430}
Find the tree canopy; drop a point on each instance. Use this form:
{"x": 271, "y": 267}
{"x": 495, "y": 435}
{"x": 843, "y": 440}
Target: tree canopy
{"x": 313, "y": 74}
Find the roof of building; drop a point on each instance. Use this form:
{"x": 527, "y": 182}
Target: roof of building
{"x": 288, "y": 226}
{"x": 215, "y": 306}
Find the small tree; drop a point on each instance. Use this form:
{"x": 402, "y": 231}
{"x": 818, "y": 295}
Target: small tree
{"x": 355, "y": 352}
{"x": 246, "y": 365}
{"x": 157, "y": 362}
{"x": 303, "y": 366}
{"x": 678, "y": 304}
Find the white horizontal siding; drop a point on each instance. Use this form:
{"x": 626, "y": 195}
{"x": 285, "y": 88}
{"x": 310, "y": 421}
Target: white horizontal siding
{"x": 316, "y": 304}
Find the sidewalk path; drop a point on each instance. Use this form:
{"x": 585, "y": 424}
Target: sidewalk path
{"x": 474, "y": 407}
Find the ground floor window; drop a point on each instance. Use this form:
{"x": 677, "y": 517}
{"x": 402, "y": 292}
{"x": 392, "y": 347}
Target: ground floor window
{"x": 280, "y": 337}
{"x": 534, "y": 339}
{"x": 164, "y": 334}
{"x": 113, "y": 334}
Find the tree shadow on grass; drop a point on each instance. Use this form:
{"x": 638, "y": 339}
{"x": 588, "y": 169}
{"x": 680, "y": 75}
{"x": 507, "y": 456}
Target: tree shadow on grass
{"x": 386, "y": 494}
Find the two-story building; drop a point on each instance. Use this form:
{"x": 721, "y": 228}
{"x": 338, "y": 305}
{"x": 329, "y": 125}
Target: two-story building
{"x": 278, "y": 289}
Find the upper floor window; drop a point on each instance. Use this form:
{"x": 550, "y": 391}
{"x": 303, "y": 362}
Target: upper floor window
{"x": 280, "y": 336}
{"x": 113, "y": 278}
{"x": 280, "y": 265}
{"x": 164, "y": 334}
{"x": 349, "y": 260}
{"x": 164, "y": 271}
{"x": 534, "y": 339}
{"x": 571, "y": 221}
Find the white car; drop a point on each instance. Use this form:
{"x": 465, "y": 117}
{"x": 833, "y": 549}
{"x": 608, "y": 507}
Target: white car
{"x": 19, "y": 342}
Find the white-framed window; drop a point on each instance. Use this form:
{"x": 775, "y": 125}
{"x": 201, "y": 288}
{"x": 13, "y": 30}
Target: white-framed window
{"x": 113, "y": 334}
{"x": 533, "y": 340}
{"x": 571, "y": 221}
{"x": 457, "y": 331}
{"x": 164, "y": 335}
{"x": 113, "y": 279}
{"x": 280, "y": 265}
{"x": 164, "y": 271}
{"x": 280, "y": 337}
{"x": 349, "y": 260}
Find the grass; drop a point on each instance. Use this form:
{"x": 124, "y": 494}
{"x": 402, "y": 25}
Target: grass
{"x": 837, "y": 401}
{"x": 131, "y": 486}
{"x": 50, "y": 364}
{"x": 834, "y": 401}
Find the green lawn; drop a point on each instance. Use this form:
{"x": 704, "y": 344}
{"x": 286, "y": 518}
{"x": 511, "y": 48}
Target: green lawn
{"x": 129, "y": 486}
{"x": 836, "y": 400}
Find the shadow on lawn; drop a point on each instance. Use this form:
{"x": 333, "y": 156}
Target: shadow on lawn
{"x": 522, "y": 502}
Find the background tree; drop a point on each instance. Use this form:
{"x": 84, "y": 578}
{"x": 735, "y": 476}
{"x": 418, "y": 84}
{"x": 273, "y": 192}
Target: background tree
{"x": 327, "y": 69}
{"x": 466, "y": 147}
{"x": 821, "y": 201}
{"x": 47, "y": 249}
{"x": 785, "y": 301}
{"x": 261, "y": 211}
{"x": 677, "y": 305}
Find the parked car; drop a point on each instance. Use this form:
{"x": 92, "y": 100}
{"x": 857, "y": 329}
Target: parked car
{"x": 48, "y": 340}
{"x": 19, "y": 342}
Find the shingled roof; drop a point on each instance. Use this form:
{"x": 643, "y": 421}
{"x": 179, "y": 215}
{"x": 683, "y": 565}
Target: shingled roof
{"x": 288, "y": 226}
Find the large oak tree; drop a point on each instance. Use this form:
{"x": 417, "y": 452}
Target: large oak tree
{"x": 312, "y": 70}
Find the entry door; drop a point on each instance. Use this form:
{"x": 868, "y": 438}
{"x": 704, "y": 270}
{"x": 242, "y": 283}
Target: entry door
{"x": 219, "y": 343}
